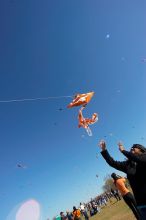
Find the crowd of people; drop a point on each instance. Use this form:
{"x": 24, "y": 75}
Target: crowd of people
{"x": 91, "y": 208}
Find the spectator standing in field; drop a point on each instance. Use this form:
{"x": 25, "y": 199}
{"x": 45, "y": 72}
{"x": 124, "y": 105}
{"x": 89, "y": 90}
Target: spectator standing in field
{"x": 69, "y": 215}
{"x": 83, "y": 211}
{"x": 116, "y": 194}
{"x": 63, "y": 217}
{"x": 76, "y": 213}
{"x": 126, "y": 194}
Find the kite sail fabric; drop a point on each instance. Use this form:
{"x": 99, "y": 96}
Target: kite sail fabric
{"x": 81, "y": 99}
{"x": 85, "y": 122}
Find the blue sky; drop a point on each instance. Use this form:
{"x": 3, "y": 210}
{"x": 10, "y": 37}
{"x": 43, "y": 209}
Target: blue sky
{"x": 60, "y": 48}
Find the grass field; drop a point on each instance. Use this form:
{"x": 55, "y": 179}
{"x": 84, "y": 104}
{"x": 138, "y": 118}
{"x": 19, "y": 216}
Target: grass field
{"x": 115, "y": 211}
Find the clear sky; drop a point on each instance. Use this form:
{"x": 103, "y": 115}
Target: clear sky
{"x": 60, "y": 48}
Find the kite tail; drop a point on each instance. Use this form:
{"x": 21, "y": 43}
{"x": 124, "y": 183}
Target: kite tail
{"x": 89, "y": 132}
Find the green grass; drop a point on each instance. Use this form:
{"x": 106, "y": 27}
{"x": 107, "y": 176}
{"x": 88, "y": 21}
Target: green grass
{"x": 114, "y": 211}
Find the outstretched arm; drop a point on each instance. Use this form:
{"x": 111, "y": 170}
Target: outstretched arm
{"x": 115, "y": 164}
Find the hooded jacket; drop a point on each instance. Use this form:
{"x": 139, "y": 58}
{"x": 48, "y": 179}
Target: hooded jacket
{"x": 135, "y": 168}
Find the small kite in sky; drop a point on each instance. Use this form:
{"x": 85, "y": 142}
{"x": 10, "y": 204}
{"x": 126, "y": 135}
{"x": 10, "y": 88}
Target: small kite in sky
{"x": 81, "y": 99}
{"x": 111, "y": 134}
{"x": 97, "y": 176}
{"x": 107, "y": 36}
{"x": 144, "y": 60}
{"x": 85, "y": 122}
{"x": 21, "y": 166}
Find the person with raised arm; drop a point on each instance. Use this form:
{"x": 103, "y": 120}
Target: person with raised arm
{"x": 134, "y": 167}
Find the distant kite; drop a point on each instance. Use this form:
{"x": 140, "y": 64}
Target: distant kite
{"x": 21, "y": 166}
{"x": 107, "y": 36}
{"x": 81, "y": 99}
{"x": 85, "y": 122}
{"x": 144, "y": 60}
{"x": 111, "y": 134}
{"x": 97, "y": 176}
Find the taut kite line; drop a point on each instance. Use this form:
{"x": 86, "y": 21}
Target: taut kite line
{"x": 34, "y": 99}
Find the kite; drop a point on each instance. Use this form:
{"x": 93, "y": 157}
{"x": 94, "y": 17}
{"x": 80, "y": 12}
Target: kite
{"x": 107, "y": 36}
{"x": 85, "y": 122}
{"x": 21, "y": 166}
{"x": 144, "y": 60}
{"x": 81, "y": 99}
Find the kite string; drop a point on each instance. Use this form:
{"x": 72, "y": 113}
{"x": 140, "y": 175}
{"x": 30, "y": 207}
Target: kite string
{"x": 34, "y": 99}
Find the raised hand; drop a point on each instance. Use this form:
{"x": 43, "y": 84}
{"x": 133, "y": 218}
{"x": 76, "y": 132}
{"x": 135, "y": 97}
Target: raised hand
{"x": 102, "y": 145}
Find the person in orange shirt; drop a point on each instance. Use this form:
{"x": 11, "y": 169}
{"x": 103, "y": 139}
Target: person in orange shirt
{"x": 76, "y": 213}
{"x": 126, "y": 194}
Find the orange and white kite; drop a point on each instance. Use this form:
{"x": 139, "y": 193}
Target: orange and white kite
{"x": 85, "y": 122}
{"x": 81, "y": 99}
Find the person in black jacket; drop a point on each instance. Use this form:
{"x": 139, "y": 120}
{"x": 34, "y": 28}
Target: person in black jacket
{"x": 135, "y": 168}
